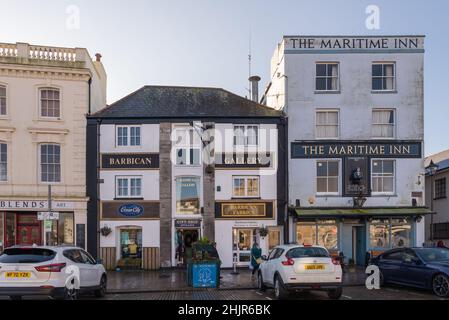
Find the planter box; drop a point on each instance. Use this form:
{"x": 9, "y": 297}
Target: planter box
{"x": 203, "y": 274}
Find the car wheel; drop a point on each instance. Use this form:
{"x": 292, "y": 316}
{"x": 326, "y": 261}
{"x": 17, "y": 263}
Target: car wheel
{"x": 261, "y": 285}
{"x": 381, "y": 279}
{"x": 440, "y": 285}
{"x": 101, "y": 292}
{"x": 335, "y": 294}
{"x": 279, "y": 290}
{"x": 70, "y": 294}
{"x": 15, "y": 297}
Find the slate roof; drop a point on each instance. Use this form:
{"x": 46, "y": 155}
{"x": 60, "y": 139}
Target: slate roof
{"x": 184, "y": 102}
{"x": 443, "y": 165}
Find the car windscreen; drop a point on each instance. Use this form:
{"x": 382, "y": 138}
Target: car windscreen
{"x": 433, "y": 254}
{"x": 26, "y": 255}
{"x": 312, "y": 252}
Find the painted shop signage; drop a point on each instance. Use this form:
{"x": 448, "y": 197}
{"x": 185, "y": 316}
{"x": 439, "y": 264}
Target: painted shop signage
{"x": 244, "y": 210}
{"x": 187, "y": 223}
{"x": 131, "y": 210}
{"x": 356, "y": 176}
{"x": 243, "y": 160}
{"x": 130, "y": 161}
{"x": 342, "y": 149}
{"x": 30, "y": 204}
{"x": 354, "y": 43}
{"x": 124, "y": 210}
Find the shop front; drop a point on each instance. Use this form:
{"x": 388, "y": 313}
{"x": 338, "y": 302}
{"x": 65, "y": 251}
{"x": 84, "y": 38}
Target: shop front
{"x": 187, "y": 233}
{"x": 23, "y": 223}
{"x": 129, "y": 234}
{"x": 357, "y": 233}
{"x": 239, "y": 225}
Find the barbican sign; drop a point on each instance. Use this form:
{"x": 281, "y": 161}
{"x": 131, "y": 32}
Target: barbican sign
{"x": 130, "y": 161}
{"x": 394, "y": 149}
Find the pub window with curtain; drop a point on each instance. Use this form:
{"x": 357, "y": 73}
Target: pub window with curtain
{"x": 383, "y": 125}
{"x": 383, "y": 176}
{"x": 384, "y": 77}
{"x": 327, "y": 124}
{"x": 327, "y": 77}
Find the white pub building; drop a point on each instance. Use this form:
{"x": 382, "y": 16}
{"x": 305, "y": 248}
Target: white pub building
{"x": 355, "y": 132}
{"x": 168, "y": 166}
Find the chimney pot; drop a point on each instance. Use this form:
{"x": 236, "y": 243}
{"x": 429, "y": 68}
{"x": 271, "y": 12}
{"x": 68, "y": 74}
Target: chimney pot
{"x": 254, "y": 80}
{"x": 98, "y": 57}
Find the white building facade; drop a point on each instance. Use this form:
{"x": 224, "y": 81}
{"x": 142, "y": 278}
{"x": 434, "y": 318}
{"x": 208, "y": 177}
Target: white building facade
{"x": 355, "y": 116}
{"x": 45, "y": 93}
{"x": 178, "y": 164}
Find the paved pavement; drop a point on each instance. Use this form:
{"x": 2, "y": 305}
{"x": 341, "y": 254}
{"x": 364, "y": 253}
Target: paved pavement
{"x": 176, "y": 280}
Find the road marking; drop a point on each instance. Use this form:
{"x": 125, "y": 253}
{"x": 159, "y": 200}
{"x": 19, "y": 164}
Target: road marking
{"x": 260, "y": 294}
{"x": 268, "y": 298}
{"x": 347, "y": 297}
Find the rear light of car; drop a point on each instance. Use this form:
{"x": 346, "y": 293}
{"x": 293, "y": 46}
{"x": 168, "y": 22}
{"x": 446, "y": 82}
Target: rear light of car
{"x": 289, "y": 262}
{"x": 51, "y": 267}
{"x": 336, "y": 261}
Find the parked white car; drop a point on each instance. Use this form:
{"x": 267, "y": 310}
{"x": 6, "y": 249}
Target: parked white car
{"x": 60, "y": 272}
{"x": 291, "y": 268}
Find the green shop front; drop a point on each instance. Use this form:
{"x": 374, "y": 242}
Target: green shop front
{"x": 354, "y": 233}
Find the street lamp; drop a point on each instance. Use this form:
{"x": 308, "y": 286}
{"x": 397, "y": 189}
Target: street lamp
{"x": 431, "y": 170}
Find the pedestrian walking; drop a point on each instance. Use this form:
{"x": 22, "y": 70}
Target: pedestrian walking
{"x": 256, "y": 258}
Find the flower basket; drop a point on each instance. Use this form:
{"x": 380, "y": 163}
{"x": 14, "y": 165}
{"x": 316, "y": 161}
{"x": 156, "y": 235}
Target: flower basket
{"x": 105, "y": 231}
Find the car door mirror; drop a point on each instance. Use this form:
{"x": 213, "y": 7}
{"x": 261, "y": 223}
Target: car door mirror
{"x": 99, "y": 261}
{"x": 264, "y": 258}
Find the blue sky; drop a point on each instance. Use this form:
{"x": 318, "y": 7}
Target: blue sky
{"x": 205, "y": 42}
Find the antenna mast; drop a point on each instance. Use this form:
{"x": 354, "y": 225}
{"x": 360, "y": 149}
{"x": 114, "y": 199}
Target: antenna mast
{"x": 249, "y": 61}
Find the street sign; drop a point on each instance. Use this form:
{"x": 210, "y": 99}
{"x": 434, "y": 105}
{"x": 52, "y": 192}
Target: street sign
{"x": 48, "y": 224}
{"x": 48, "y": 216}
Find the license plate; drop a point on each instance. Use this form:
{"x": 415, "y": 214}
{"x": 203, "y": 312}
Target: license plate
{"x": 315, "y": 267}
{"x": 18, "y": 275}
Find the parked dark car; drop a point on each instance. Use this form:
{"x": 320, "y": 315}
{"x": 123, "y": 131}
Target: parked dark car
{"x": 426, "y": 268}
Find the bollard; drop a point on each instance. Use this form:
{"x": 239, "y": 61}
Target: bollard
{"x": 234, "y": 265}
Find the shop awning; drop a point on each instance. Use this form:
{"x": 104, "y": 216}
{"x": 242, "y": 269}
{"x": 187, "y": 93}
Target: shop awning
{"x": 353, "y": 212}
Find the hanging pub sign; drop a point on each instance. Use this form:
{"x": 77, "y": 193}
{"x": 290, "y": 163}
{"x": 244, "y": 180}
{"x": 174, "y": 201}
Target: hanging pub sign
{"x": 130, "y": 161}
{"x": 342, "y": 149}
{"x": 244, "y": 210}
{"x": 356, "y": 176}
{"x": 243, "y": 160}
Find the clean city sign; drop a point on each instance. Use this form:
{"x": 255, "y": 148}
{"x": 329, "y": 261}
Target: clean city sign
{"x": 294, "y": 43}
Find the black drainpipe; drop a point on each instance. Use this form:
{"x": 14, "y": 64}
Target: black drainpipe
{"x": 90, "y": 94}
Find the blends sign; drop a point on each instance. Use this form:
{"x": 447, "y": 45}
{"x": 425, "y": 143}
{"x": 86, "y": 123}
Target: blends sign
{"x": 405, "y": 149}
{"x": 130, "y": 161}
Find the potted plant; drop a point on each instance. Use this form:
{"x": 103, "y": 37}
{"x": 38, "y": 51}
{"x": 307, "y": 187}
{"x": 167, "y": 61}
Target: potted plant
{"x": 105, "y": 231}
{"x": 263, "y": 232}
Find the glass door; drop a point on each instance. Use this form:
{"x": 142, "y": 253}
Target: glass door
{"x": 242, "y": 243}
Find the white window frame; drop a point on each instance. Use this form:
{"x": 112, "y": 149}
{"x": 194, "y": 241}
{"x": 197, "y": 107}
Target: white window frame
{"x": 7, "y": 161}
{"x": 245, "y": 135}
{"x": 383, "y": 193}
{"x": 128, "y": 187}
{"x": 384, "y": 63}
{"x": 327, "y": 76}
{"x": 383, "y": 124}
{"x": 39, "y": 93}
{"x": 40, "y": 163}
{"x": 245, "y": 187}
{"x": 327, "y": 125}
{"x": 193, "y": 143}
{"x": 128, "y": 136}
{"x": 319, "y": 193}
{"x": 5, "y": 115}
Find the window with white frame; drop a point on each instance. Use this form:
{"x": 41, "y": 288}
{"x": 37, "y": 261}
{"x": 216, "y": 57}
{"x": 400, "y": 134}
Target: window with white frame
{"x": 327, "y": 124}
{"x": 3, "y": 162}
{"x": 50, "y": 163}
{"x": 246, "y": 135}
{"x": 384, "y": 77}
{"x": 128, "y": 187}
{"x": 383, "y": 176}
{"x": 128, "y": 136}
{"x": 188, "y": 147}
{"x": 383, "y": 123}
{"x": 2, "y": 101}
{"x": 50, "y": 103}
{"x": 327, "y": 173}
{"x": 245, "y": 186}
{"x": 327, "y": 76}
